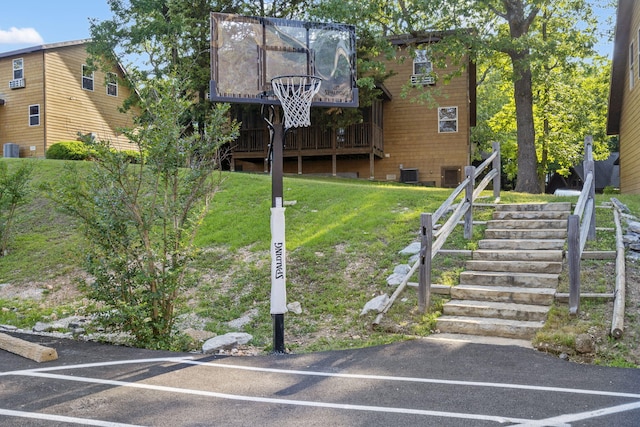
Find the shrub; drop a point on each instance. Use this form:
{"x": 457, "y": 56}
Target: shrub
{"x": 68, "y": 150}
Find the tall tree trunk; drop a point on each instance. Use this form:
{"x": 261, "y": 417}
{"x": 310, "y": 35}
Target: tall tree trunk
{"x": 527, "y": 181}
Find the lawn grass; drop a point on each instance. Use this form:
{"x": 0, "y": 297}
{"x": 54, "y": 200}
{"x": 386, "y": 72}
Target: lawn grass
{"x": 343, "y": 237}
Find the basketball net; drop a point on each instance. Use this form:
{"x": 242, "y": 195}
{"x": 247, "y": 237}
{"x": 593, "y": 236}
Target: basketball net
{"x": 296, "y": 94}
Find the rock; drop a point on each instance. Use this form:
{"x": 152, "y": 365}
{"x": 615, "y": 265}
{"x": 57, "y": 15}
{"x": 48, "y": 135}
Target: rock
{"x": 8, "y": 328}
{"x": 395, "y": 279}
{"x": 378, "y": 303}
{"x": 218, "y": 343}
{"x": 413, "y": 248}
{"x": 564, "y": 356}
{"x": 226, "y": 341}
{"x": 414, "y": 258}
{"x": 294, "y": 307}
{"x": 634, "y": 227}
{"x": 246, "y": 318}
{"x": 241, "y": 337}
{"x": 402, "y": 269}
{"x": 41, "y": 327}
{"x": 198, "y": 335}
{"x": 585, "y": 344}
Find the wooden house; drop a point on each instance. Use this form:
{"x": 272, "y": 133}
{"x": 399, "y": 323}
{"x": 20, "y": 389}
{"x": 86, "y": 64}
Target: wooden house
{"x": 398, "y": 140}
{"x": 49, "y": 94}
{"x": 624, "y": 96}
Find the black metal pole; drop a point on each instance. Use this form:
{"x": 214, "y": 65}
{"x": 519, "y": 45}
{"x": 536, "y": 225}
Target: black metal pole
{"x": 276, "y": 201}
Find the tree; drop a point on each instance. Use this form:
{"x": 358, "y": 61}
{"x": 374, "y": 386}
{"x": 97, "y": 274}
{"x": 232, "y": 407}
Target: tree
{"x": 140, "y": 219}
{"x": 527, "y": 32}
{"x": 14, "y": 191}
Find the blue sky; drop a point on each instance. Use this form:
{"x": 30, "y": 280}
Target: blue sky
{"x": 26, "y": 23}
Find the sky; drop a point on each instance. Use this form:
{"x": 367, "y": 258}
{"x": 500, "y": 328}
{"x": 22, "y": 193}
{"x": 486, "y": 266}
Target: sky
{"x": 34, "y": 22}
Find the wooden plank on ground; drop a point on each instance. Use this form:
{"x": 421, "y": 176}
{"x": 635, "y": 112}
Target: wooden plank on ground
{"x": 27, "y": 349}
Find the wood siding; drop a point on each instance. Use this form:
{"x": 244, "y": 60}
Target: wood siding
{"x": 630, "y": 116}
{"x": 14, "y": 114}
{"x": 53, "y": 79}
{"x": 411, "y": 137}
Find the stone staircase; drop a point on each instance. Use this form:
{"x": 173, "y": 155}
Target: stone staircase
{"x": 510, "y": 282}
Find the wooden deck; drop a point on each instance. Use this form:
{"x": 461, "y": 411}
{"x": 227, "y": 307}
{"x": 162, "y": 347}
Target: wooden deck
{"x": 363, "y": 139}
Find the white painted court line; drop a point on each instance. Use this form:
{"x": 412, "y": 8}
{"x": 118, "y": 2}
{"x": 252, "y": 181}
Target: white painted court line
{"x": 419, "y": 380}
{"x": 62, "y": 418}
{"x": 561, "y": 420}
{"x": 565, "y": 419}
{"x": 255, "y": 399}
{"x": 190, "y": 361}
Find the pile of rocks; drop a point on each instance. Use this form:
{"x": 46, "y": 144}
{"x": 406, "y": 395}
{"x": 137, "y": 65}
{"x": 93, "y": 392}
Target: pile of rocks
{"x": 631, "y": 227}
{"x": 192, "y": 325}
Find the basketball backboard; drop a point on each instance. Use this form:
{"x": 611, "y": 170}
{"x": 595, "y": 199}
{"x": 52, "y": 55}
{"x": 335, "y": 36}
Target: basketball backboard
{"x": 247, "y": 52}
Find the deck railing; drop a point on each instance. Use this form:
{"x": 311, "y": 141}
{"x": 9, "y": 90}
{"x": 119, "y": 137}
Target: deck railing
{"x": 430, "y": 248}
{"x": 362, "y": 136}
{"x": 581, "y": 226}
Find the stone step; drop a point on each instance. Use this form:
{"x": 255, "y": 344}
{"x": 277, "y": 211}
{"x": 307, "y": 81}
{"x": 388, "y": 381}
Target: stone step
{"x": 499, "y": 310}
{"x": 494, "y": 278}
{"x": 526, "y": 234}
{"x": 492, "y": 327}
{"x": 517, "y": 255}
{"x": 516, "y": 294}
{"x": 527, "y": 224}
{"x": 524, "y": 244}
{"x": 560, "y": 206}
{"x": 531, "y": 215}
{"x": 515, "y": 266}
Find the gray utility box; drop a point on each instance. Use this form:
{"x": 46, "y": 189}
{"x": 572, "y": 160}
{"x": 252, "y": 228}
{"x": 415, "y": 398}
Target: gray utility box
{"x": 10, "y": 150}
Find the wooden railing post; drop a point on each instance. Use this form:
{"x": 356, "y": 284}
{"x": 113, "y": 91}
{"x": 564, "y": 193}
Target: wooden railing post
{"x": 589, "y": 167}
{"x": 469, "y": 172}
{"x": 424, "y": 270}
{"x": 496, "y": 165}
{"x": 573, "y": 261}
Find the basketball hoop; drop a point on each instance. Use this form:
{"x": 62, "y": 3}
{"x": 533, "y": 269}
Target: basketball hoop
{"x": 296, "y": 94}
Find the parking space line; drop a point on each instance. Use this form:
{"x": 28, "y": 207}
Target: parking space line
{"x": 565, "y": 419}
{"x": 62, "y": 418}
{"x": 255, "y": 399}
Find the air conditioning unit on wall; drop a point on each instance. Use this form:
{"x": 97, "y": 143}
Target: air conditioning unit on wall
{"x": 16, "y": 83}
{"x": 409, "y": 176}
{"x": 10, "y": 150}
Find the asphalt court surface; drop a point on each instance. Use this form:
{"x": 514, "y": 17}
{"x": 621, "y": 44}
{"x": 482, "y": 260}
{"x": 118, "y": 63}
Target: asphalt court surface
{"x": 417, "y": 383}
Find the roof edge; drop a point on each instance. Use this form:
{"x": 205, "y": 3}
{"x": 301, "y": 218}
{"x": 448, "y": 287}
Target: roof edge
{"x": 46, "y": 46}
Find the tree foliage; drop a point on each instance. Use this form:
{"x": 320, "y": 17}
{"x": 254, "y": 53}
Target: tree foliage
{"x": 140, "y": 219}
{"x": 14, "y": 191}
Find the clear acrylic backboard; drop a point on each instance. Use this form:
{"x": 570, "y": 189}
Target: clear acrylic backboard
{"x": 247, "y": 52}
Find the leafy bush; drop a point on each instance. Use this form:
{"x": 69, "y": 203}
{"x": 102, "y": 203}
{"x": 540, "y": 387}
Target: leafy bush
{"x": 14, "y": 190}
{"x": 133, "y": 156}
{"x": 141, "y": 218}
{"x": 68, "y": 150}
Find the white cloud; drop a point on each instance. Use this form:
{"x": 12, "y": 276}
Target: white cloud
{"x": 19, "y": 36}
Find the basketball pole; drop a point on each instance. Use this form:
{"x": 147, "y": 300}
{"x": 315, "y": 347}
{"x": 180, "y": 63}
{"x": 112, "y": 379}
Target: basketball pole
{"x": 278, "y": 252}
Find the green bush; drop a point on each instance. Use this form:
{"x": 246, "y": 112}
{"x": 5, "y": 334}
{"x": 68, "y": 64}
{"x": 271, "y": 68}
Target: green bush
{"x": 133, "y": 156}
{"x": 68, "y": 150}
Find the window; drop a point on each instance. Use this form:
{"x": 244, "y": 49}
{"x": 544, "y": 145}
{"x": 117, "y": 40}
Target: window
{"x": 447, "y": 119}
{"x": 87, "y": 78}
{"x": 632, "y": 55}
{"x": 421, "y": 63}
{"x": 18, "y": 69}
{"x": 34, "y": 115}
{"x": 422, "y": 69}
{"x": 112, "y": 84}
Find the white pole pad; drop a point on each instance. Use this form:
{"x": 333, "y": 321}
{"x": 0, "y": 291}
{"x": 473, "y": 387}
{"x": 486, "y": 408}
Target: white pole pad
{"x": 278, "y": 262}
